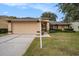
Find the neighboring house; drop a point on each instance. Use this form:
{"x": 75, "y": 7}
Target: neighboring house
{"x": 27, "y": 26}
{"x": 59, "y": 25}
{"x": 75, "y": 26}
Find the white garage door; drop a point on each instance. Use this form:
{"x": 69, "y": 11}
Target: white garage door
{"x": 25, "y": 27}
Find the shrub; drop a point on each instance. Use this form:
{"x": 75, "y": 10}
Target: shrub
{"x": 55, "y": 30}
{"x": 3, "y": 30}
{"x": 60, "y": 30}
{"x": 51, "y": 31}
{"x": 68, "y": 30}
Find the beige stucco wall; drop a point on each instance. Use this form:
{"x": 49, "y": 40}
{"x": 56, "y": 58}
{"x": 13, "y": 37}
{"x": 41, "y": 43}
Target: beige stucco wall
{"x": 25, "y": 27}
{"x": 3, "y": 23}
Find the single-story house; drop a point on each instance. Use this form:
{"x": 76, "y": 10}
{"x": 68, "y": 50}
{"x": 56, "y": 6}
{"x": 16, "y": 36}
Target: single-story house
{"x": 27, "y": 26}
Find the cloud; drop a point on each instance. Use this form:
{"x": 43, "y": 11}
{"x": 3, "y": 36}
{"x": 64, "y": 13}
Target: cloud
{"x": 18, "y": 5}
{"x": 24, "y": 7}
{"x": 15, "y": 4}
{"x": 41, "y": 7}
{"x": 5, "y": 12}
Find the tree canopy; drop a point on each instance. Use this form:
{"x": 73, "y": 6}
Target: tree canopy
{"x": 71, "y": 11}
{"x": 11, "y": 17}
{"x": 49, "y": 15}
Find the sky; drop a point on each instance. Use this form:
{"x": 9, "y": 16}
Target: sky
{"x": 29, "y": 9}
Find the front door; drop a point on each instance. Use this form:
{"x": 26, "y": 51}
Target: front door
{"x": 44, "y": 26}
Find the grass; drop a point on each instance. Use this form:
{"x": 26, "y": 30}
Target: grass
{"x": 3, "y": 34}
{"x": 59, "y": 44}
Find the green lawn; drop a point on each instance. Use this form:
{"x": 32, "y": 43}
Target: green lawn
{"x": 3, "y": 34}
{"x": 59, "y": 44}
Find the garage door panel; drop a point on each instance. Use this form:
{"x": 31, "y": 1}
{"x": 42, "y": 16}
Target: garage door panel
{"x": 25, "y": 27}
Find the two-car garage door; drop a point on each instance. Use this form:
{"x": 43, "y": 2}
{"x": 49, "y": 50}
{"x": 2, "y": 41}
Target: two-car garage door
{"x": 25, "y": 27}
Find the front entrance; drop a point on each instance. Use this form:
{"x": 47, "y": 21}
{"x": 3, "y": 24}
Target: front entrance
{"x": 44, "y": 26}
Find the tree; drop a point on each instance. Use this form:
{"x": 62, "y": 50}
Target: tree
{"x": 12, "y": 17}
{"x": 49, "y": 15}
{"x": 71, "y": 11}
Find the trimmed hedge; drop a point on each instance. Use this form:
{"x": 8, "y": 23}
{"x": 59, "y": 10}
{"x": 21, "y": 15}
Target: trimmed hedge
{"x": 68, "y": 30}
{"x": 59, "y": 30}
{"x": 55, "y": 30}
{"x": 3, "y": 30}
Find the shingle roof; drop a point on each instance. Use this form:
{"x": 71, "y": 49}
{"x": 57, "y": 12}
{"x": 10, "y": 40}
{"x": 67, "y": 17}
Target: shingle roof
{"x": 34, "y": 19}
{"x": 58, "y": 23}
{"x": 21, "y": 19}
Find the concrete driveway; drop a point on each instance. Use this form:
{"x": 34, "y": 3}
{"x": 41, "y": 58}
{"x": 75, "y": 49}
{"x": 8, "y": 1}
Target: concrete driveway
{"x": 15, "y": 45}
